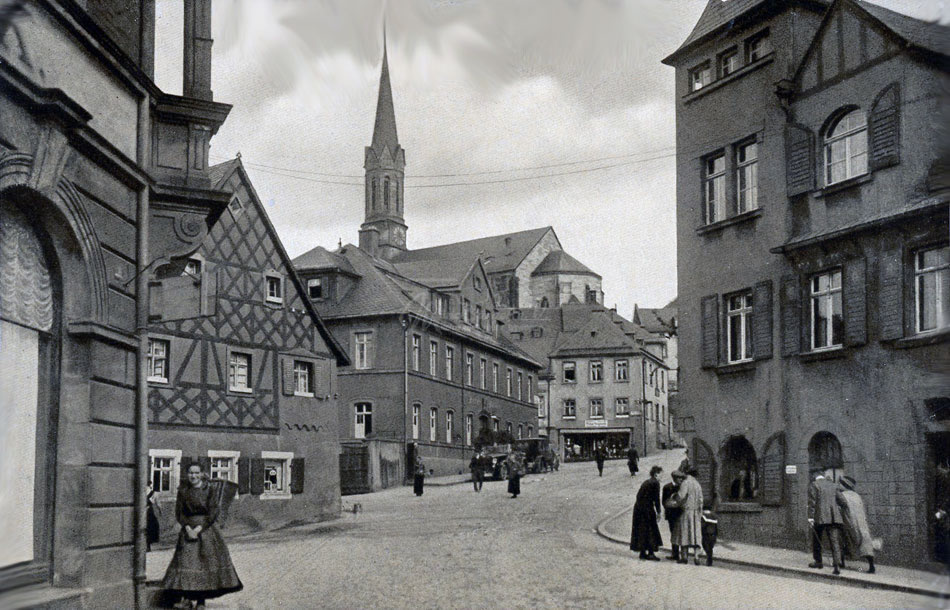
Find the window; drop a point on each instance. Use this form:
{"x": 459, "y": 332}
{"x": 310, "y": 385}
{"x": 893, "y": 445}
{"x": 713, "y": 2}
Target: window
{"x": 158, "y": 360}
{"x": 596, "y": 408}
{"x": 364, "y": 420}
{"x": 224, "y": 465}
{"x": 622, "y": 407}
{"x": 239, "y": 372}
{"x": 375, "y": 191}
{"x": 494, "y": 425}
{"x": 467, "y": 311}
{"x": 570, "y": 408}
{"x": 470, "y": 368}
{"x": 747, "y": 177}
{"x": 520, "y": 386}
{"x": 739, "y": 327}
{"x": 315, "y": 288}
{"x": 433, "y": 421}
{"x": 433, "y": 358}
{"x": 439, "y": 304}
{"x": 530, "y": 431}
{"x": 303, "y": 373}
{"x": 449, "y": 361}
{"x": 728, "y": 62}
{"x": 449, "y": 425}
{"x": 827, "y": 326}
{"x": 386, "y": 192}
{"x": 520, "y": 430}
{"x": 508, "y": 382}
{"x": 364, "y": 350}
{"x": 276, "y": 474}
{"x": 164, "y": 468}
{"x": 416, "y": 414}
{"x": 621, "y": 370}
{"x": 590, "y": 296}
{"x": 193, "y": 267}
{"x": 569, "y": 372}
{"x": 508, "y": 428}
{"x": 236, "y": 207}
{"x": 739, "y": 478}
{"x": 714, "y": 187}
{"x": 477, "y": 282}
{"x": 530, "y": 387}
{"x": 846, "y": 148}
{"x": 478, "y": 316}
{"x": 416, "y": 352}
{"x": 483, "y": 373}
{"x": 700, "y": 76}
{"x": 469, "y": 423}
{"x": 932, "y": 288}
{"x": 758, "y": 47}
{"x": 494, "y": 376}
{"x": 275, "y": 289}
{"x": 596, "y": 371}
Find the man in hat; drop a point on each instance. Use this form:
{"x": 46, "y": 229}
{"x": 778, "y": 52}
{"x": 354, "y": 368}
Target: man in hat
{"x": 856, "y": 521}
{"x": 824, "y": 516}
{"x": 671, "y": 510}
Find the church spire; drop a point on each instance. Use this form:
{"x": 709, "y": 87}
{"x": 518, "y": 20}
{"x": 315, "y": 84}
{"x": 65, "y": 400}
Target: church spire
{"x": 384, "y": 131}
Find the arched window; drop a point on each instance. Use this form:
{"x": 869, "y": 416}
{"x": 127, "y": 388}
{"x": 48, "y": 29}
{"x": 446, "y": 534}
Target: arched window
{"x": 396, "y": 197}
{"x": 739, "y": 482}
{"x": 824, "y": 452}
{"x": 386, "y": 192}
{"x": 375, "y": 188}
{"x": 846, "y": 147}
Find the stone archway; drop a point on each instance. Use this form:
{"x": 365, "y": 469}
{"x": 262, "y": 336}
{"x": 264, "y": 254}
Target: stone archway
{"x": 824, "y": 452}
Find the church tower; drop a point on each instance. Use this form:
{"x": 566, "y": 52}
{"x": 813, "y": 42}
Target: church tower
{"x": 383, "y": 232}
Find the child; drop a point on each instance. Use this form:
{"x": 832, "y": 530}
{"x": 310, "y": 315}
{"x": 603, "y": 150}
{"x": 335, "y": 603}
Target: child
{"x": 710, "y": 530}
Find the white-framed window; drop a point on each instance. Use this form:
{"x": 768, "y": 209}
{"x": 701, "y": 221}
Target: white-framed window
{"x": 276, "y": 474}
{"x": 570, "y": 408}
{"x": 622, "y": 407}
{"x": 483, "y": 373}
{"x": 469, "y": 426}
{"x": 494, "y": 376}
{"x": 827, "y": 323}
{"x": 467, "y": 311}
{"x": 700, "y": 76}
{"x": 932, "y": 288}
{"x": 315, "y": 288}
{"x": 728, "y": 62}
{"x": 236, "y": 206}
{"x": 757, "y": 47}
{"x": 164, "y": 469}
{"x": 449, "y": 425}
{"x": 303, "y": 378}
{"x": 714, "y": 187}
{"x": 747, "y": 177}
{"x": 508, "y": 381}
{"x": 520, "y": 430}
{"x": 597, "y": 408}
{"x": 433, "y": 358}
{"x": 364, "y": 419}
{"x": 449, "y": 361}
{"x": 520, "y": 386}
{"x": 274, "y": 288}
{"x": 495, "y": 425}
{"x": 530, "y": 388}
{"x": 433, "y": 423}
{"x": 364, "y": 350}
{"x": 224, "y": 465}
{"x": 569, "y": 372}
{"x": 239, "y": 372}
{"x": 416, "y": 352}
{"x": 193, "y": 268}
{"x": 739, "y": 327}
{"x": 158, "y": 360}
{"x": 621, "y": 370}
{"x": 470, "y": 368}
{"x": 596, "y": 370}
{"x": 846, "y": 147}
{"x": 416, "y": 415}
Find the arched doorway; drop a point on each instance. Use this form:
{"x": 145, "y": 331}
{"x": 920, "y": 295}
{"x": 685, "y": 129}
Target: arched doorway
{"x": 824, "y": 452}
{"x": 739, "y": 481}
{"x": 29, "y": 348}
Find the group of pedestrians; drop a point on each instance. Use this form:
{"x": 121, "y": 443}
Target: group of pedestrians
{"x": 836, "y": 512}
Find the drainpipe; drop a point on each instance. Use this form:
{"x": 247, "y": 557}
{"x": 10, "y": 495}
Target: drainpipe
{"x": 405, "y": 390}
{"x": 643, "y": 401}
{"x": 141, "y": 381}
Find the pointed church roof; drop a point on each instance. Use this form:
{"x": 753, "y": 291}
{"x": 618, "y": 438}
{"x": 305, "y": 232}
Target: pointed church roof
{"x": 559, "y": 261}
{"x": 384, "y": 131}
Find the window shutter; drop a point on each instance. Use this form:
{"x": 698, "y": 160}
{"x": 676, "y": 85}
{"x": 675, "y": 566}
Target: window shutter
{"x": 772, "y": 471}
{"x": 762, "y": 320}
{"x": 799, "y": 160}
{"x": 710, "y": 330}
{"x": 855, "y": 302}
{"x": 319, "y": 381}
{"x": 155, "y": 300}
{"x": 244, "y": 475}
{"x": 287, "y": 370}
{"x": 371, "y": 351}
{"x": 891, "y": 295}
{"x": 181, "y": 298}
{"x": 184, "y": 464}
{"x": 296, "y": 475}
{"x": 209, "y": 292}
{"x": 205, "y": 464}
{"x": 884, "y": 129}
{"x": 705, "y": 465}
{"x": 791, "y": 315}
{"x": 257, "y": 476}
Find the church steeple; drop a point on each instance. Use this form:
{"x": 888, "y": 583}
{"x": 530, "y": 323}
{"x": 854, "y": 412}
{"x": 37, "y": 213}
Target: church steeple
{"x": 383, "y": 232}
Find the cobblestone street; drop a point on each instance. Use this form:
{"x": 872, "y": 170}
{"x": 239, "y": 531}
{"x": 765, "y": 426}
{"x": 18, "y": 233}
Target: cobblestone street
{"x": 453, "y": 548}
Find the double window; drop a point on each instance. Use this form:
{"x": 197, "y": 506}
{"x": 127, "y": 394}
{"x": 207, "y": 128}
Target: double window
{"x": 846, "y": 148}
{"x": 621, "y": 370}
{"x": 364, "y": 419}
{"x": 239, "y": 372}
{"x": 364, "y": 350}
{"x": 932, "y": 289}
{"x": 224, "y": 465}
{"x": 570, "y": 408}
{"x": 597, "y": 408}
{"x": 739, "y": 327}
{"x": 731, "y": 181}
{"x": 596, "y": 371}
{"x": 158, "y": 360}
{"x": 622, "y": 407}
{"x": 164, "y": 468}
{"x": 827, "y": 323}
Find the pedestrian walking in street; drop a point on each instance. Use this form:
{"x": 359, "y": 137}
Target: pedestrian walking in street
{"x": 825, "y": 518}
{"x": 645, "y": 533}
{"x": 418, "y": 476}
{"x": 672, "y": 510}
{"x": 689, "y": 525}
{"x": 633, "y": 460}
{"x": 710, "y": 531}
{"x": 600, "y": 456}
{"x": 477, "y": 466}
{"x": 856, "y": 522}
{"x": 515, "y": 472}
{"x": 201, "y": 567}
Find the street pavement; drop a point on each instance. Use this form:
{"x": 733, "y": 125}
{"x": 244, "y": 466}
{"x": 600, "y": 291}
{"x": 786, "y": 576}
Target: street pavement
{"x": 454, "y": 548}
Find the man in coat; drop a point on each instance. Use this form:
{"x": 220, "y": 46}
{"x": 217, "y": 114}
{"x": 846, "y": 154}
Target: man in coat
{"x": 633, "y": 459}
{"x": 477, "y": 466}
{"x": 600, "y": 456}
{"x": 672, "y": 513}
{"x": 824, "y": 517}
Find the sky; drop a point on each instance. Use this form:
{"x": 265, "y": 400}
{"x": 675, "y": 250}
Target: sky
{"x": 513, "y": 116}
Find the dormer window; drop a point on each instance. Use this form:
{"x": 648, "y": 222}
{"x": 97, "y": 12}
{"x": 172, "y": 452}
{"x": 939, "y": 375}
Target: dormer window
{"x": 315, "y": 288}
{"x": 757, "y": 47}
{"x": 700, "y": 76}
{"x": 728, "y": 62}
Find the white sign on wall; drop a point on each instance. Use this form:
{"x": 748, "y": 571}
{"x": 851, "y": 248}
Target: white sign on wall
{"x": 595, "y": 423}
{"x": 791, "y": 469}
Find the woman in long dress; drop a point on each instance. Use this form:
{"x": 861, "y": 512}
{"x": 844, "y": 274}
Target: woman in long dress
{"x": 419, "y": 476}
{"x": 856, "y": 522}
{"x": 515, "y": 471}
{"x": 689, "y": 527}
{"x": 645, "y": 533}
{"x": 201, "y": 567}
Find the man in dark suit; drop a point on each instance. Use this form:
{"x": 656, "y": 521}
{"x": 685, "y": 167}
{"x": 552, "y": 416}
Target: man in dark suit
{"x": 824, "y": 516}
{"x": 672, "y": 514}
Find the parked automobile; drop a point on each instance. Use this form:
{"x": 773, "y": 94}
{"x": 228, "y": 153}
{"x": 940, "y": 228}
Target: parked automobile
{"x": 538, "y": 455}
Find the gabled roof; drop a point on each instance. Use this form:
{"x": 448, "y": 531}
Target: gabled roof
{"x": 656, "y": 320}
{"x": 498, "y": 252}
{"x": 925, "y": 35}
{"x": 438, "y": 273}
{"x": 319, "y": 259}
{"x": 559, "y": 261}
{"x": 599, "y": 334}
{"x": 220, "y": 174}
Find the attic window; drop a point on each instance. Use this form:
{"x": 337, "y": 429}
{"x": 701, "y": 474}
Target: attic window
{"x": 236, "y": 206}
{"x": 757, "y": 46}
{"x": 536, "y": 332}
{"x": 315, "y": 288}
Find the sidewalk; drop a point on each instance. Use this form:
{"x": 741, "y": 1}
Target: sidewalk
{"x": 795, "y": 563}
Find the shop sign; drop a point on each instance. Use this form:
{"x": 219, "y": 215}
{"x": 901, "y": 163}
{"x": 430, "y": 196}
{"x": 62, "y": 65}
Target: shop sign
{"x": 595, "y": 423}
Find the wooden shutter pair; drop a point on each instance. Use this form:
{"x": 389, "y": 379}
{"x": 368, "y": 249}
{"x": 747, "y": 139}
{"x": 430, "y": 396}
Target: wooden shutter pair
{"x": 253, "y": 481}
{"x": 713, "y": 351}
{"x": 319, "y": 384}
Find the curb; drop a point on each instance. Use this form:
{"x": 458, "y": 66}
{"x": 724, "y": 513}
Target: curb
{"x": 787, "y": 571}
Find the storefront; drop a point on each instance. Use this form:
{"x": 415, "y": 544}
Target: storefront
{"x": 578, "y": 444}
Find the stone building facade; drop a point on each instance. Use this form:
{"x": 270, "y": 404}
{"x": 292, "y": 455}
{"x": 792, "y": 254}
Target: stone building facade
{"x": 812, "y": 185}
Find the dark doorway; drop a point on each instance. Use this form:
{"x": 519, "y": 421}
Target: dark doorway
{"x": 824, "y": 452}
